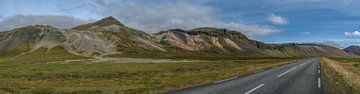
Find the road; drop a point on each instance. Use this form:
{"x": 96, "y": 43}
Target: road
{"x": 301, "y": 77}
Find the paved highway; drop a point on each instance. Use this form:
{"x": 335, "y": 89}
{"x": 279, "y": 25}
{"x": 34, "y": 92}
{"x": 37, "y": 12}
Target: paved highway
{"x": 302, "y": 77}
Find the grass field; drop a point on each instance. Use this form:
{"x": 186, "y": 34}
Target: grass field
{"x": 352, "y": 64}
{"x": 124, "y": 78}
{"x": 341, "y": 75}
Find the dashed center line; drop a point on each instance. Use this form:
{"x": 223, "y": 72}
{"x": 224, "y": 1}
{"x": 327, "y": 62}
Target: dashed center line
{"x": 319, "y": 83}
{"x": 301, "y": 64}
{"x": 254, "y": 89}
{"x": 286, "y": 72}
{"x": 319, "y": 71}
{"x": 225, "y": 80}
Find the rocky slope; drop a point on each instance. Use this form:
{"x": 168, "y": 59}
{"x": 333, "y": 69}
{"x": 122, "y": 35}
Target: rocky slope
{"x": 354, "y": 50}
{"x": 214, "y": 40}
{"x": 225, "y": 41}
{"x": 109, "y": 37}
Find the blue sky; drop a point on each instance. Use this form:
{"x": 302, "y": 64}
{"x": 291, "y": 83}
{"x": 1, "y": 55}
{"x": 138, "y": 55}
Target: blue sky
{"x": 332, "y": 22}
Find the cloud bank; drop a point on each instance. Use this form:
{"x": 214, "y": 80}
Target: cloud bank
{"x": 53, "y": 20}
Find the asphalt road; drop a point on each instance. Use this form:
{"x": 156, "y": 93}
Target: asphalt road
{"x": 302, "y": 77}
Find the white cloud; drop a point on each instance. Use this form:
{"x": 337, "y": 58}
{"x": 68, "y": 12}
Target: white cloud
{"x": 53, "y": 20}
{"x": 184, "y": 15}
{"x": 305, "y": 33}
{"x": 275, "y": 19}
{"x": 352, "y": 34}
{"x": 250, "y": 30}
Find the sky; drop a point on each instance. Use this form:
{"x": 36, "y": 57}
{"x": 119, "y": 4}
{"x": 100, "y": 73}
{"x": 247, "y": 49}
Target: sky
{"x": 330, "y": 22}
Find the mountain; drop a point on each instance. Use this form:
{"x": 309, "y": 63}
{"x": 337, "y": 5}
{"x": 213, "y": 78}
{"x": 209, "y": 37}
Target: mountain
{"x": 30, "y": 38}
{"x": 109, "y": 37}
{"x": 210, "y": 40}
{"x": 355, "y": 50}
{"x": 229, "y": 42}
{"x": 305, "y": 49}
{"x": 39, "y": 42}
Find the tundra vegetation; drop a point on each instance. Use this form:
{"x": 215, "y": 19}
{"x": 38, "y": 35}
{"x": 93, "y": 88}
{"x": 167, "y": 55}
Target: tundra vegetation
{"x": 341, "y": 75}
{"x": 31, "y": 75}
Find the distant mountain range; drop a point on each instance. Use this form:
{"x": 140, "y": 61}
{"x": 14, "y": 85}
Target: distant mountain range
{"x": 109, "y": 37}
{"x": 354, "y": 50}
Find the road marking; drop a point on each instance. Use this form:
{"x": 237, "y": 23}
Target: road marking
{"x": 319, "y": 83}
{"x": 319, "y": 71}
{"x": 302, "y": 64}
{"x": 225, "y": 80}
{"x": 254, "y": 89}
{"x": 286, "y": 72}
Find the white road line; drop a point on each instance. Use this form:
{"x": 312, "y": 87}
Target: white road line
{"x": 286, "y": 72}
{"x": 319, "y": 71}
{"x": 254, "y": 89}
{"x": 225, "y": 80}
{"x": 301, "y": 64}
{"x": 319, "y": 83}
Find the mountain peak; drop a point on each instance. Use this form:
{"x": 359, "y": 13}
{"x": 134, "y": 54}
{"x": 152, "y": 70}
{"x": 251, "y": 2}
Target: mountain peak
{"x": 111, "y": 20}
{"x": 103, "y": 22}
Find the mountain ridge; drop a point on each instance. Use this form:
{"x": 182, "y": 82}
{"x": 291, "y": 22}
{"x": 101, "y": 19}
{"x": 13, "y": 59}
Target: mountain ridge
{"x": 103, "y": 22}
{"x": 238, "y": 43}
{"x": 109, "y": 37}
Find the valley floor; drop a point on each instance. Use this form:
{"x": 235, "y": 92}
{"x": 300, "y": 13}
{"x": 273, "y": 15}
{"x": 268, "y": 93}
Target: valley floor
{"x": 126, "y": 75}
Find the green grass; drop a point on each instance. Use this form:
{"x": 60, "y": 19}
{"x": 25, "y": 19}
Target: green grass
{"x": 348, "y": 59}
{"x": 11, "y": 53}
{"x": 125, "y": 78}
{"x": 45, "y": 55}
{"x": 355, "y": 61}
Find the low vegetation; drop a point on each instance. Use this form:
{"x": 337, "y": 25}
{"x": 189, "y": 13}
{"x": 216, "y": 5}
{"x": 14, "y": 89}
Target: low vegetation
{"x": 43, "y": 55}
{"x": 126, "y": 78}
{"x": 12, "y": 53}
{"x": 341, "y": 75}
